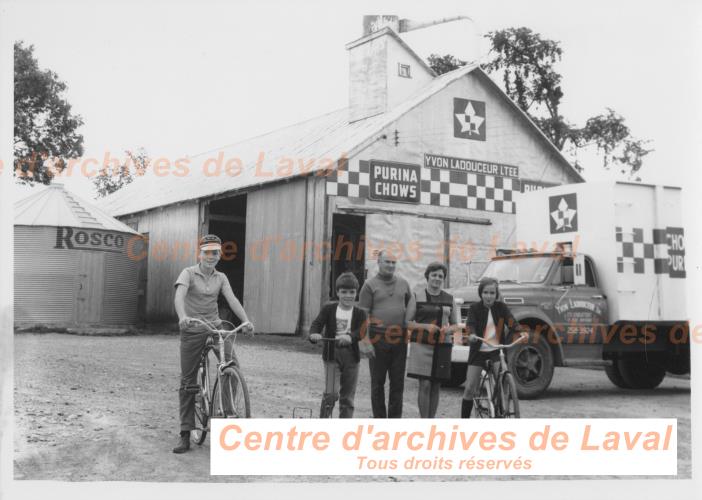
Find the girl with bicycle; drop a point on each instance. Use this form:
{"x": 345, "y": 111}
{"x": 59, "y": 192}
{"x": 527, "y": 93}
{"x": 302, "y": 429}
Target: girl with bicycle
{"x": 487, "y": 318}
{"x": 197, "y": 289}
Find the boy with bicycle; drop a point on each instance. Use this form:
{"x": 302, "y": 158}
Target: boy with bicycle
{"x": 196, "y": 292}
{"x": 343, "y": 324}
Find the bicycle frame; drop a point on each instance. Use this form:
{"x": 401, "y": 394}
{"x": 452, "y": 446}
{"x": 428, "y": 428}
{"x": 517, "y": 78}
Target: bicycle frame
{"x": 207, "y": 388}
{"x": 494, "y": 386}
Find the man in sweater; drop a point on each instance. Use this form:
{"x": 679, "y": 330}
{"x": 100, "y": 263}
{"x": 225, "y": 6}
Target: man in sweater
{"x": 385, "y": 297}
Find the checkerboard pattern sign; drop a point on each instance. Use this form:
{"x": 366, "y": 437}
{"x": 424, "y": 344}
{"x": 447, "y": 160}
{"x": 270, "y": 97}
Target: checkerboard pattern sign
{"x": 640, "y": 256}
{"x": 351, "y": 179}
{"x": 439, "y": 187}
{"x": 450, "y": 188}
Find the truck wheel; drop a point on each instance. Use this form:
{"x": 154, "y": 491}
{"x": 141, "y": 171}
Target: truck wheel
{"x": 615, "y": 375}
{"x": 458, "y": 375}
{"x": 638, "y": 374}
{"x": 532, "y": 366}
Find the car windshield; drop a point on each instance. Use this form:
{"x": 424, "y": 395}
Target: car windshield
{"x": 519, "y": 269}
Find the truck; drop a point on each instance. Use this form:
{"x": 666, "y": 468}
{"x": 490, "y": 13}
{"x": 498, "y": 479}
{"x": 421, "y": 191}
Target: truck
{"x": 597, "y": 278}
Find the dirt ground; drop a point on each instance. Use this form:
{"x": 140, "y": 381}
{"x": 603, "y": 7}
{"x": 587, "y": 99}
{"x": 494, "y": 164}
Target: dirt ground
{"x": 105, "y": 408}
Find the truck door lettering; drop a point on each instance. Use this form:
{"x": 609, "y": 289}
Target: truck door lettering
{"x": 675, "y": 238}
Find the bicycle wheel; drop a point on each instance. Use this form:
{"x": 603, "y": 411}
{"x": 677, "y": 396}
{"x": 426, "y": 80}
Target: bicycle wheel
{"x": 233, "y": 401}
{"x": 202, "y": 402}
{"x": 483, "y": 406}
{"x": 508, "y": 396}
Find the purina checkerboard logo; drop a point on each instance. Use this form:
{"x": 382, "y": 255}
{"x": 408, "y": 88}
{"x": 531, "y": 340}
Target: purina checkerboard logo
{"x": 563, "y": 213}
{"x": 468, "y": 119}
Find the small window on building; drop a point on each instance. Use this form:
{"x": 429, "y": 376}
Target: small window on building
{"x": 403, "y": 70}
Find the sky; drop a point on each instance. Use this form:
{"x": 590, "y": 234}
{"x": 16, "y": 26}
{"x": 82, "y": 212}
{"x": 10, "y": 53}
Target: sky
{"x": 181, "y": 78}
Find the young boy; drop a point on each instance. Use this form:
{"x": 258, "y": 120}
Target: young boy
{"x": 344, "y": 322}
{"x": 196, "y": 292}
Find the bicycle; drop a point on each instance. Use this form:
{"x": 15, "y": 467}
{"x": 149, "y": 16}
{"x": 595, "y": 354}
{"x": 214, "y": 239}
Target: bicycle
{"x": 210, "y": 400}
{"x": 497, "y": 398}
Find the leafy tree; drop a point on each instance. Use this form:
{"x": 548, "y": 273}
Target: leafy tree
{"x": 444, "y": 64}
{"x": 110, "y": 180}
{"x": 526, "y": 64}
{"x": 45, "y": 128}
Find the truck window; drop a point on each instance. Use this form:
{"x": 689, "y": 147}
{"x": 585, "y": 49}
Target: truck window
{"x": 589, "y": 274}
{"x": 567, "y": 275}
{"x": 519, "y": 269}
{"x": 564, "y": 275}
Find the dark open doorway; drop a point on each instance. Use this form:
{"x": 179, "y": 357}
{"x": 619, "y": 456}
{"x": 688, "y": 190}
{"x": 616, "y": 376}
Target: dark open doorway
{"x": 227, "y": 219}
{"x": 348, "y": 248}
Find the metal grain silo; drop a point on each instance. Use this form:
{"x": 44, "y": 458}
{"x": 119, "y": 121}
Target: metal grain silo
{"x": 74, "y": 264}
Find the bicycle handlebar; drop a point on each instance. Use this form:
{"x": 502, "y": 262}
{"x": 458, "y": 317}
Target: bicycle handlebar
{"x": 325, "y": 339}
{"x": 212, "y": 329}
{"x": 499, "y": 346}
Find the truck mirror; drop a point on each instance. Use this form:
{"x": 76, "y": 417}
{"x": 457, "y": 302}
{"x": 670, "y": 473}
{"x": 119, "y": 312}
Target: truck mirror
{"x": 579, "y": 269}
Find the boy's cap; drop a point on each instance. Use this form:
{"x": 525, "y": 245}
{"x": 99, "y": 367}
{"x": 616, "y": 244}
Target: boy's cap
{"x": 210, "y": 242}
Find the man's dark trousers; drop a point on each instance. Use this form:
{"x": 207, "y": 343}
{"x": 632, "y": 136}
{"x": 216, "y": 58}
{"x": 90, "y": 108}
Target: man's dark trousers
{"x": 390, "y": 358}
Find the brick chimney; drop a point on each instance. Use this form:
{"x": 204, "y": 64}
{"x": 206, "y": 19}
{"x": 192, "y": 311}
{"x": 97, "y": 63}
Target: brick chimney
{"x": 383, "y": 69}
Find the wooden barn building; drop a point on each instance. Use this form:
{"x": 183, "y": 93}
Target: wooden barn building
{"x": 426, "y": 165}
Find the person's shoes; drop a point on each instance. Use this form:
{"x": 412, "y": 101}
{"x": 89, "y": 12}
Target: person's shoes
{"x": 183, "y": 444}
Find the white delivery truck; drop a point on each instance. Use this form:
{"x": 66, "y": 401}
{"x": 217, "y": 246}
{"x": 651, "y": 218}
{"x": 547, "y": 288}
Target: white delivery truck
{"x": 598, "y": 276}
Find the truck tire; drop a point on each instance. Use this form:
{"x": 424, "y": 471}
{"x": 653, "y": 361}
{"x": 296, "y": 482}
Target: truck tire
{"x": 638, "y": 374}
{"x": 458, "y": 375}
{"x": 532, "y": 367}
{"x": 615, "y": 375}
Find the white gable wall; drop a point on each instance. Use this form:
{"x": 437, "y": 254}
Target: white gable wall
{"x": 510, "y": 140}
{"x": 399, "y": 88}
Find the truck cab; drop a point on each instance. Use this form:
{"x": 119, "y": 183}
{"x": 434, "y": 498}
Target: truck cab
{"x": 541, "y": 292}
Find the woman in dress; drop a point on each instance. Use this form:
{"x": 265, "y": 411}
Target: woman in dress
{"x": 436, "y": 317}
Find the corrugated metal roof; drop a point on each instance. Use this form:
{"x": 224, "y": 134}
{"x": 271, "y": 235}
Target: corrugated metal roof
{"x": 55, "y": 206}
{"x": 327, "y": 137}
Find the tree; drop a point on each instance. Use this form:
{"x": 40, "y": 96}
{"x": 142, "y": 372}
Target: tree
{"x": 526, "y": 64}
{"x": 108, "y": 181}
{"x": 444, "y": 64}
{"x": 45, "y": 128}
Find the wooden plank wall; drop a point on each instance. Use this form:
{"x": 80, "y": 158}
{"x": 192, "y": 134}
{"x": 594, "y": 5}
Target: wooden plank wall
{"x": 315, "y": 291}
{"x": 275, "y": 240}
{"x": 173, "y": 233}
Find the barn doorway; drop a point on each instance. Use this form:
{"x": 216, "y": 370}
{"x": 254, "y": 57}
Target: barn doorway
{"x": 227, "y": 219}
{"x": 348, "y": 248}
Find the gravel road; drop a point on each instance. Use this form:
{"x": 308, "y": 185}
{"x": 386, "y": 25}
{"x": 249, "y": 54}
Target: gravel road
{"x": 105, "y": 408}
